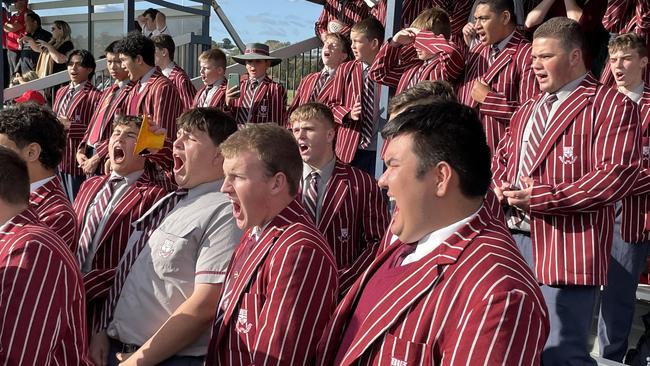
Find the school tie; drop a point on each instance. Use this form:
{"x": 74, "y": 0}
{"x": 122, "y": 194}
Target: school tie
{"x": 204, "y": 96}
{"x": 98, "y": 211}
{"x": 65, "y": 103}
{"x": 494, "y": 53}
{"x": 310, "y": 195}
{"x": 247, "y": 102}
{"x": 99, "y": 124}
{"x": 536, "y": 134}
{"x": 147, "y": 225}
{"x": 322, "y": 79}
{"x": 367, "y": 110}
{"x": 401, "y": 253}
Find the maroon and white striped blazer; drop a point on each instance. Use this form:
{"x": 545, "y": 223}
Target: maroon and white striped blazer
{"x": 218, "y": 98}
{"x": 135, "y": 201}
{"x": 280, "y": 300}
{"x": 352, "y": 12}
{"x": 79, "y": 112}
{"x": 635, "y": 219}
{"x": 353, "y": 219}
{"x": 159, "y": 99}
{"x": 305, "y": 88}
{"x": 512, "y": 81}
{"x": 53, "y": 208}
{"x": 269, "y": 104}
{"x": 113, "y": 109}
{"x": 42, "y": 307}
{"x": 347, "y": 88}
{"x": 396, "y": 66}
{"x": 473, "y": 300}
{"x": 184, "y": 85}
{"x": 589, "y": 158}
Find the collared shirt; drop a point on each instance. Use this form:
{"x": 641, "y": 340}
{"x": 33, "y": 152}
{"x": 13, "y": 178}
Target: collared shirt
{"x": 325, "y": 174}
{"x": 145, "y": 78}
{"x": 331, "y": 72}
{"x": 121, "y": 84}
{"x": 118, "y": 191}
{"x": 501, "y": 45}
{"x": 192, "y": 245}
{"x": 634, "y": 94}
{"x": 212, "y": 92}
{"x": 431, "y": 241}
{"x": 38, "y": 184}
{"x": 168, "y": 69}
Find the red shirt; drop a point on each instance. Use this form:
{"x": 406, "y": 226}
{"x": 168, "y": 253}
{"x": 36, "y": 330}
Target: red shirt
{"x": 12, "y": 37}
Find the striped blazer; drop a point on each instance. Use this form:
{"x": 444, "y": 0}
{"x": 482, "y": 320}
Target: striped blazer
{"x": 269, "y": 103}
{"x": 305, "y": 88}
{"x": 159, "y": 99}
{"x": 353, "y": 219}
{"x": 589, "y": 158}
{"x": 53, "y": 209}
{"x": 635, "y": 219}
{"x": 80, "y": 110}
{"x": 42, "y": 307}
{"x": 511, "y": 79}
{"x": 115, "y": 108}
{"x": 347, "y": 88}
{"x": 135, "y": 201}
{"x": 184, "y": 85}
{"x": 473, "y": 300}
{"x": 396, "y": 66}
{"x": 352, "y": 12}
{"x": 274, "y": 310}
{"x": 218, "y": 98}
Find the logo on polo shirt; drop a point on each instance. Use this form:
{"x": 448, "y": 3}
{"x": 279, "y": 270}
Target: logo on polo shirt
{"x": 166, "y": 249}
{"x": 243, "y": 326}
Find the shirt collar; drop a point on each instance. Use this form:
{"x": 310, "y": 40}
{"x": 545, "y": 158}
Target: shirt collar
{"x": 325, "y": 172}
{"x": 131, "y": 177}
{"x": 145, "y": 78}
{"x": 38, "y": 184}
{"x": 330, "y": 71}
{"x": 636, "y": 93}
{"x": 204, "y": 188}
{"x": 501, "y": 45}
{"x": 564, "y": 92}
{"x": 168, "y": 69}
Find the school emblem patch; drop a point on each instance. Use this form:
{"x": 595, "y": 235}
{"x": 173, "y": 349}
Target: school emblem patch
{"x": 397, "y": 362}
{"x": 243, "y": 326}
{"x": 567, "y": 155}
{"x": 166, "y": 249}
{"x": 344, "y": 234}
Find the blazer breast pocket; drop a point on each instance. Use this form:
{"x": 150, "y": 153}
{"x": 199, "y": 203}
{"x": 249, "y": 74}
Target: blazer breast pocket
{"x": 248, "y": 313}
{"x": 170, "y": 253}
{"x": 399, "y": 352}
{"x": 571, "y": 159}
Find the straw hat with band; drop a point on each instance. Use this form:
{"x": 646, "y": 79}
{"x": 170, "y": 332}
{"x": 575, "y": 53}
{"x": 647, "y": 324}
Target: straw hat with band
{"x": 256, "y": 51}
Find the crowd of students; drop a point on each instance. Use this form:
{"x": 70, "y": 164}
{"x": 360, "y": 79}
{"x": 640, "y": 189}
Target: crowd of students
{"x": 258, "y": 235}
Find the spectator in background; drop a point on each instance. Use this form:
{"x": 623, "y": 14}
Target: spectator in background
{"x": 148, "y": 22}
{"x": 54, "y": 54}
{"x": 14, "y": 26}
{"x": 30, "y": 49}
{"x": 161, "y": 23}
{"x": 164, "y": 58}
{"x": 212, "y": 65}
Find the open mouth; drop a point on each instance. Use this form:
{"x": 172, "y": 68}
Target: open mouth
{"x": 236, "y": 209}
{"x": 541, "y": 77}
{"x": 619, "y": 75}
{"x": 118, "y": 154}
{"x": 326, "y": 54}
{"x": 178, "y": 163}
{"x": 303, "y": 147}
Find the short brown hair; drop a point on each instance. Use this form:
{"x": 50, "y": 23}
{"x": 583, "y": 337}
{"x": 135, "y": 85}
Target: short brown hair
{"x": 313, "y": 110}
{"x": 630, "y": 41}
{"x": 435, "y": 20}
{"x": 122, "y": 119}
{"x": 371, "y": 28}
{"x": 215, "y": 55}
{"x": 423, "y": 92}
{"x": 217, "y": 124}
{"x": 276, "y": 148}
{"x": 166, "y": 42}
{"x": 565, "y": 30}
{"x": 14, "y": 178}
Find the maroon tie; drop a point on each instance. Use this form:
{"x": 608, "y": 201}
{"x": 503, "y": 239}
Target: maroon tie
{"x": 65, "y": 103}
{"x": 367, "y": 110}
{"x": 204, "y": 96}
{"x": 310, "y": 195}
{"x": 247, "y": 103}
{"x": 322, "y": 79}
{"x": 536, "y": 134}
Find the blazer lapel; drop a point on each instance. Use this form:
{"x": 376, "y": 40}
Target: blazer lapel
{"x": 142, "y": 96}
{"x": 335, "y": 193}
{"x": 503, "y": 59}
{"x": 78, "y": 98}
{"x": 417, "y": 282}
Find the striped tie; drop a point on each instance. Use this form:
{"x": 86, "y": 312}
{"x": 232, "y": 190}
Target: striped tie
{"x": 310, "y": 195}
{"x": 322, "y": 79}
{"x": 247, "y": 102}
{"x": 147, "y": 225}
{"x": 367, "y": 110}
{"x": 204, "y": 96}
{"x": 494, "y": 53}
{"x": 65, "y": 103}
{"x": 95, "y": 217}
{"x": 536, "y": 134}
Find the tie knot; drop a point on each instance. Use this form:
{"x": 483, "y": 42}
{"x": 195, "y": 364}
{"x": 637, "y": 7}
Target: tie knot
{"x": 550, "y": 99}
{"x": 113, "y": 180}
{"x": 254, "y": 84}
{"x": 181, "y": 192}
{"x": 208, "y": 87}
{"x": 314, "y": 175}
{"x": 325, "y": 74}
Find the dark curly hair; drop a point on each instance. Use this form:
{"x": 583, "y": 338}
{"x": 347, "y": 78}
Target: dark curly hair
{"x": 29, "y": 123}
{"x": 135, "y": 44}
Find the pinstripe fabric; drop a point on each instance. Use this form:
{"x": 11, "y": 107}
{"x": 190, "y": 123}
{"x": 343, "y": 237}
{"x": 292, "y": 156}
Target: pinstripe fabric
{"x": 218, "y": 98}
{"x": 160, "y": 100}
{"x": 473, "y": 300}
{"x": 353, "y": 219}
{"x": 42, "y": 307}
{"x": 113, "y": 109}
{"x": 268, "y": 106}
{"x": 306, "y": 88}
{"x": 184, "y": 85}
{"x": 635, "y": 213}
{"x": 310, "y": 196}
{"x": 347, "y": 89}
{"x": 588, "y": 159}
{"x": 351, "y": 12}
{"x": 137, "y": 200}
{"x": 397, "y": 66}
{"x": 79, "y": 112}
{"x": 280, "y": 300}
{"x": 54, "y": 210}
{"x": 512, "y": 81}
